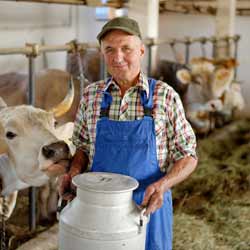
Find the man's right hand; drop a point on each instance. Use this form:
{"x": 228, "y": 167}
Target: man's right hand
{"x": 66, "y": 188}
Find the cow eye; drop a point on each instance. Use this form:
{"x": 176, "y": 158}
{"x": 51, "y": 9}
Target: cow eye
{"x": 10, "y": 135}
{"x": 55, "y": 124}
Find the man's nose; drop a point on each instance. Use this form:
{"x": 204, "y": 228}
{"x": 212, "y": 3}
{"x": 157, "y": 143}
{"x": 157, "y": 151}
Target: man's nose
{"x": 118, "y": 57}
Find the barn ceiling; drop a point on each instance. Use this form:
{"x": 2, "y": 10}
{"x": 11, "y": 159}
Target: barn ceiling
{"x": 96, "y": 3}
{"x": 176, "y": 6}
{"x": 200, "y": 6}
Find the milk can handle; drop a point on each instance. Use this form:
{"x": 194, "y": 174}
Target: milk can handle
{"x": 60, "y": 205}
{"x": 141, "y": 219}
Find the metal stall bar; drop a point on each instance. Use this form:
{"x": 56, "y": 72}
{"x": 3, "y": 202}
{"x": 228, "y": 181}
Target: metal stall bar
{"x": 236, "y": 47}
{"x": 150, "y": 43}
{"x": 172, "y": 45}
{"x": 31, "y": 101}
{"x": 203, "y": 48}
{"x": 187, "y": 49}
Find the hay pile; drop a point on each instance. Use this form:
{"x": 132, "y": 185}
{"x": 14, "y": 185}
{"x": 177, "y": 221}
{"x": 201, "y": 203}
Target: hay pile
{"x": 212, "y": 207}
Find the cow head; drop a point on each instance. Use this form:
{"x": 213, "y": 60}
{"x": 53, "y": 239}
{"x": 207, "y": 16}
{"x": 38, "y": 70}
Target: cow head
{"x": 33, "y": 143}
{"x": 175, "y": 74}
{"x": 214, "y": 76}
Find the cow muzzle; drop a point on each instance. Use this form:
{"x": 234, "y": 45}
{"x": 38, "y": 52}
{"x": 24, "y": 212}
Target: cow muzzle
{"x": 56, "y": 151}
{"x": 56, "y": 154}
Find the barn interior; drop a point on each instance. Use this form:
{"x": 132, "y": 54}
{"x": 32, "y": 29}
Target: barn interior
{"x": 198, "y": 47}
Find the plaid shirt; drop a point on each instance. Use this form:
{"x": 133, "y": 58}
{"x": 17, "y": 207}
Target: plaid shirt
{"x": 174, "y": 135}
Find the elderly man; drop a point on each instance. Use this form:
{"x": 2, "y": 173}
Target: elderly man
{"x": 133, "y": 125}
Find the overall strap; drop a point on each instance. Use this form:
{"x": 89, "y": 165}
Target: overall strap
{"x": 147, "y": 103}
{"x": 106, "y": 101}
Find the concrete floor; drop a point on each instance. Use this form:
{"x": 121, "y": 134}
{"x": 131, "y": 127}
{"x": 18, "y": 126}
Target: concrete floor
{"x": 47, "y": 240}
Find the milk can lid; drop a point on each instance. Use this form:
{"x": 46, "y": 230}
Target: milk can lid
{"x": 105, "y": 182}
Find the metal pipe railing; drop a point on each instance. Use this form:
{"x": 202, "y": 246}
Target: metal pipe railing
{"x": 154, "y": 41}
{"x": 36, "y": 49}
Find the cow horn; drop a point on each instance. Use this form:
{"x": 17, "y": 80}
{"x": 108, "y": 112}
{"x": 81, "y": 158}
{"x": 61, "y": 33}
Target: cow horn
{"x": 2, "y": 103}
{"x": 65, "y": 105}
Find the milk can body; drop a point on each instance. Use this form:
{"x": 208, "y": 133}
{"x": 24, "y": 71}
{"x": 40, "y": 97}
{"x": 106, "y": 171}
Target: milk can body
{"x": 103, "y": 215}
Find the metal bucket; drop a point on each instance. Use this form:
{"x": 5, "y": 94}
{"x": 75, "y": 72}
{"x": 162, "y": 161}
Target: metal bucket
{"x": 103, "y": 215}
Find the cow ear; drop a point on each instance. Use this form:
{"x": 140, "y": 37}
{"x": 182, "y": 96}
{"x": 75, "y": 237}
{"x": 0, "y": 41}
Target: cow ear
{"x": 184, "y": 76}
{"x": 2, "y": 103}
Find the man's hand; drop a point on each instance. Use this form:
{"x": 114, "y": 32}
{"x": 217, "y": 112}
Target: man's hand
{"x": 153, "y": 198}
{"x": 154, "y": 194}
{"x": 57, "y": 169}
{"x": 65, "y": 187}
{"x": 78, "y": 165}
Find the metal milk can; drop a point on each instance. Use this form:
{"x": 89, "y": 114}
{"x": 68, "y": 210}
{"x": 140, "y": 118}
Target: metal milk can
{"x": 103, "y": 215}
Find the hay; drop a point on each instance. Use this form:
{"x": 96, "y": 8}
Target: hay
{"x": 192, "y": 233}
{"x": 214, "y": 202}
{"x": 232, "y": 225}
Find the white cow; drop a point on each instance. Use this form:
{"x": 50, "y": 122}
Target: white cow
{"x": 29, "y": 144}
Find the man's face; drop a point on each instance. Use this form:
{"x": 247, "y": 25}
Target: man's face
{"x": 122, "y": 54}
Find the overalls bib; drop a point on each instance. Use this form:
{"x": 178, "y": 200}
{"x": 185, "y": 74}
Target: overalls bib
{"x": 129, "y": 148}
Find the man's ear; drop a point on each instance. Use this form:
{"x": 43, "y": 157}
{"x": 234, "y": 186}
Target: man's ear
{"x": 142, "y": 49}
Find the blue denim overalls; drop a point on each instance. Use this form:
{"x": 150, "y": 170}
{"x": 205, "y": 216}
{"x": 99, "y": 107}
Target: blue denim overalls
{"x": 129, "y": 148}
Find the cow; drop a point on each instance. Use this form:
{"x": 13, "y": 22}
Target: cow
{"x": 206, "y": 88}
{"x": 14, "y": 86}
{"x": 50, "y": 88}
{"x": 175, "y": 74}
{"x": 214, "y": 76}
{"x": 32, "y": 143}
{"x": 87, "y": 61}
{"x": 208, "y": 97}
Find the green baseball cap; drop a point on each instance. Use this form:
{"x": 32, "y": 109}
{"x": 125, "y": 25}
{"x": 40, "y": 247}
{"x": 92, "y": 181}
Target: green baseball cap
{"x": 120, "y": 23}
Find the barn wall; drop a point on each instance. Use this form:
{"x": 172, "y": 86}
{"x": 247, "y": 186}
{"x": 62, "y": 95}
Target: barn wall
{"x": 180, "y": 26}
{"x": 22, "y": 23}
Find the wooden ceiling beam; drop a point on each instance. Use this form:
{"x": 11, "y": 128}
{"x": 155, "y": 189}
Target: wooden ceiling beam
{"x": 200, "y": 7}
{"x": 96, "y": 3}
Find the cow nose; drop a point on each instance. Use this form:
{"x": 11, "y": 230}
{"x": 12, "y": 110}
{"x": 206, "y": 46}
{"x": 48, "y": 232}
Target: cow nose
{"x": 56, "y": 151}
{"x": 48, "y": 151}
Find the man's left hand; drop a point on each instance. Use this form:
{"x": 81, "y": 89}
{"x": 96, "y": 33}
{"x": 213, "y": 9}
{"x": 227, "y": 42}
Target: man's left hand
{"x": 153, "y": 198}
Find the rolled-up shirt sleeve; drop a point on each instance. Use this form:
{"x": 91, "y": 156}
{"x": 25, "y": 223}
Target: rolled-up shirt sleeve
{"x": 181, "y": 137}
{"x": 80, "y": 137}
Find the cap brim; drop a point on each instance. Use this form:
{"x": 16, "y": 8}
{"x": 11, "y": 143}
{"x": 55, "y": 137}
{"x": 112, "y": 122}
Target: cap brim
{"x": 105, "y": 31}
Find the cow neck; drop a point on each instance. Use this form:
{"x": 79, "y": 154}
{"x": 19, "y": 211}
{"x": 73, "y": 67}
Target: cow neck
{"x": 8, "y": 171}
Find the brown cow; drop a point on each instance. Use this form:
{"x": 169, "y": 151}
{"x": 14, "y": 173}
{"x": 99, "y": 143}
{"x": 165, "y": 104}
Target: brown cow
{"x": 175, "y": 74}
{"x": 90, "y": 61}
{"x": 51, "y": 84}
{"x": 50, "y": 88}
{"x": 212, "y": 93}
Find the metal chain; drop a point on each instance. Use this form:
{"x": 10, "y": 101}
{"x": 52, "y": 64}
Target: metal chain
{"x": 3, "y": 226}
